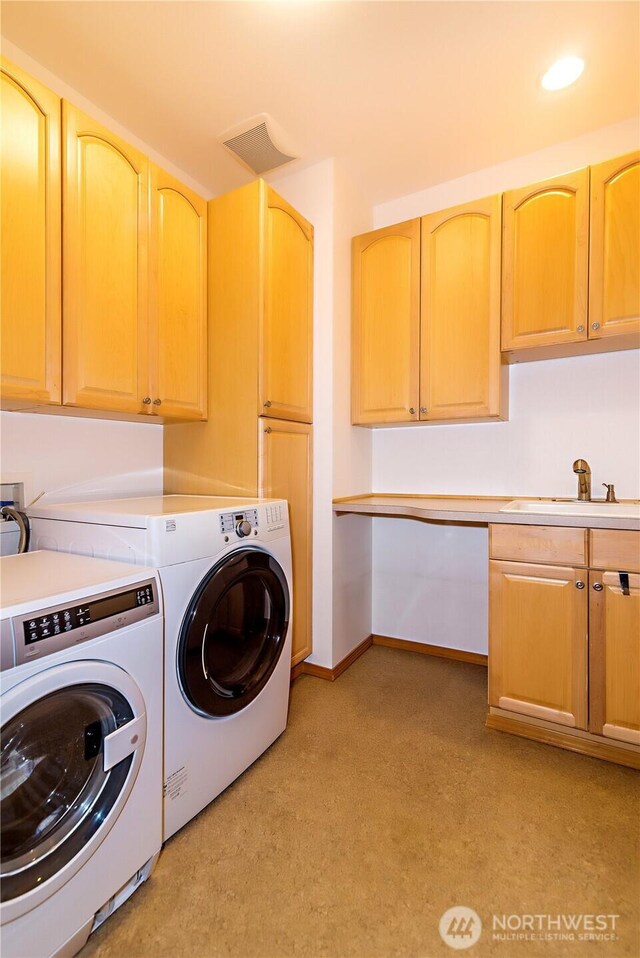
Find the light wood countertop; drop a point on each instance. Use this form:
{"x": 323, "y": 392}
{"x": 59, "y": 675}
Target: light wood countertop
{"x": 479, "y": 510}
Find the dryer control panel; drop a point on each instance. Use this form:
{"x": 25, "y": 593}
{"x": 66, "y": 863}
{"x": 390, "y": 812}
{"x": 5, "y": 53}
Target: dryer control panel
{"x": 243, "y": 523}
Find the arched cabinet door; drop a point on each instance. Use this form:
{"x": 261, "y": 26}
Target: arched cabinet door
{"x": 545, "y": 262}
{"x": 460, "y": 370}
{"x": 614, "y": 277}
{"x": 178, "y": 300}
{"x": 105, "y": 268}
{"x": 386, "y": 324}
{"x": 30, "y": 192}
{"x": 286, "y": 332}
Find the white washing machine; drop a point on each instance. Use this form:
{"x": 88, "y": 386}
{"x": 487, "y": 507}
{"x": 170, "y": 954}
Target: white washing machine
{"x": 81, "y": 753}
{"x": 225, "y": 570}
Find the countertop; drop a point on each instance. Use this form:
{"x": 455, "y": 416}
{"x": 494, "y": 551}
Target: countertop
{"x": 461, "y": 509}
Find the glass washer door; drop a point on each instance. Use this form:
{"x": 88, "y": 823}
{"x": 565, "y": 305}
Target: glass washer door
{"x": 57, "y": 800}
{"x": 233, "y": 633}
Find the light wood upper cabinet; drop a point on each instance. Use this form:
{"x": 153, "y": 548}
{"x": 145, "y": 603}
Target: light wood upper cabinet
{"x": 386, "y": 324}
{"x": 614, "y": 659}
{"x": 286, "y": 348}
{"x": 460, "y": 369}
{"x": 105, "y": 268}
{"x": 614, "y": 280}
{"x": 545, "y": 262}
{"x": 178, "y": 299}
{"x": 285, "y": 472}
{"x": 538, "y": 641}
{"x": 30, "y": 286}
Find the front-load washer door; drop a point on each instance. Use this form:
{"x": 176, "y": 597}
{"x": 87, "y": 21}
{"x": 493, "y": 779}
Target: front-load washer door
{"x": 71, "y": 743}
{"x": 233, "y": 633}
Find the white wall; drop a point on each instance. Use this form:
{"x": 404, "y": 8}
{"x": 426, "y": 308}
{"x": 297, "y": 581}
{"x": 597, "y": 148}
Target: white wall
{"x": 429, "y": 582}
{"x": 69, "y": 458}
{"x": 352, "y": 535}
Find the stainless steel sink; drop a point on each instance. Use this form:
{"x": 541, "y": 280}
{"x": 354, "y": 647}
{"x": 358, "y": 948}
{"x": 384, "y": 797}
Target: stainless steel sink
{"x": 573, "y": 507}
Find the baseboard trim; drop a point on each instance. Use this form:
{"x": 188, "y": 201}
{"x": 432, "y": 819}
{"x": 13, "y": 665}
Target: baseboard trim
{"x": 573, "y": 743}
{"x": 406, "y": 645}
{"x": 321, "y": 672}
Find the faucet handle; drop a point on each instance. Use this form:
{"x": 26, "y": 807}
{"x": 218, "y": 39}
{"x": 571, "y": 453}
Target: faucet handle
{"x": 611, "y": 492}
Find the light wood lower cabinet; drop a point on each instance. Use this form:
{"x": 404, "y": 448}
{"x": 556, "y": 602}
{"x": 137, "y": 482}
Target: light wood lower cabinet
{"x": 538, "y": 641}
{"x": 285, "y": 464}
{"x": 564, "y": 642}
{"x": 614, "y": 657}
{"x": 30, "y": 200}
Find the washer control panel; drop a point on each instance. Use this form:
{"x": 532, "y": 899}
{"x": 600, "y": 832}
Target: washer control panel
{"x": 242, "y": 523}
{"x": 49, "y": 630}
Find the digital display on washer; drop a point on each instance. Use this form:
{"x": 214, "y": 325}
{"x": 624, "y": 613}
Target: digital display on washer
{"x": 65, "y": 620}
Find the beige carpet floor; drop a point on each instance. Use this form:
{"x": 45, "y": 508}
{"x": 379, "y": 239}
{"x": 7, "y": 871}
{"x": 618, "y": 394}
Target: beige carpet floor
{"x": 385, "y": 803}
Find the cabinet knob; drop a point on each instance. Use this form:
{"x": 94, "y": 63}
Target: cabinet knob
{"x": 595, "y": 325}
{"x": 268, "y": 429}
{"x": 597, "y": 586}
{"x": 147, "y": 400}
{"x": 581, "y": 328}
{"x": 412, "y": 411}
{"x": 579, "y": 585}
{"x": 423, "y": 409}
{"x": 157, "y": 402}
{"x": 267, "y": 403}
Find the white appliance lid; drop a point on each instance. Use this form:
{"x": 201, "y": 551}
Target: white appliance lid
{"x": 136, "y": 512}
{"x": 38, "y": 579}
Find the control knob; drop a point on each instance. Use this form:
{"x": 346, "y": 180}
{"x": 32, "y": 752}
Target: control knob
{"x": 243, "y": 528}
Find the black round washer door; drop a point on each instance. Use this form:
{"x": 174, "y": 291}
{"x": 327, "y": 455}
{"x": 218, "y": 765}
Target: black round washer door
{"x": 233, "y": 633}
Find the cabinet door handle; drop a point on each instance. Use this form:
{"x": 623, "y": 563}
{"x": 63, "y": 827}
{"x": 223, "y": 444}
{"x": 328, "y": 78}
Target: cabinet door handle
{"x": 267, "y": 404}
{"x": 412, "y": 411}
{"x": 579, "y": 585}
{"x": 147, "y": 400}
{"x": 157, "y": 402}
{"x": 581, "y": 328}
{"x": 595, "y": 325}
{"x": 423, "y": 409}
{"x": 597, "y": 586}
{"x": 268, "y": 429}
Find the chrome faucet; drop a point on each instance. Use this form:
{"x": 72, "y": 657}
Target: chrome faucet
{"x": 583, "y": 472}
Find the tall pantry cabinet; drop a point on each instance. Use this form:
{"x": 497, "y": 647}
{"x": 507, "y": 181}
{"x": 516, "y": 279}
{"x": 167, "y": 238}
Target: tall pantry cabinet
{"x": 258, "y": 437}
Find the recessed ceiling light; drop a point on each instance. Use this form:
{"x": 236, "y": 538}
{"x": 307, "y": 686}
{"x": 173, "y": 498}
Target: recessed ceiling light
{"x": 563, "y": 73}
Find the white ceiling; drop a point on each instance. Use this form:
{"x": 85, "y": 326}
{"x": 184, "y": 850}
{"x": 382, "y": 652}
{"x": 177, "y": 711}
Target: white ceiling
{"x": 410, "y": 93}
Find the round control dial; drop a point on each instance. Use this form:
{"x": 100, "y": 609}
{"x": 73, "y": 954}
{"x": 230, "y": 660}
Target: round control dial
{"x": 243, "y": 528}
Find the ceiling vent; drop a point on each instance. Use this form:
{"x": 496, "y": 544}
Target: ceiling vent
{"x": 258, "y": 143}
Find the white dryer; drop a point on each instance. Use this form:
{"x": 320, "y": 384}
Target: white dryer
{"x": 81, "y": 752}
{"x": 225, "y": 569}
